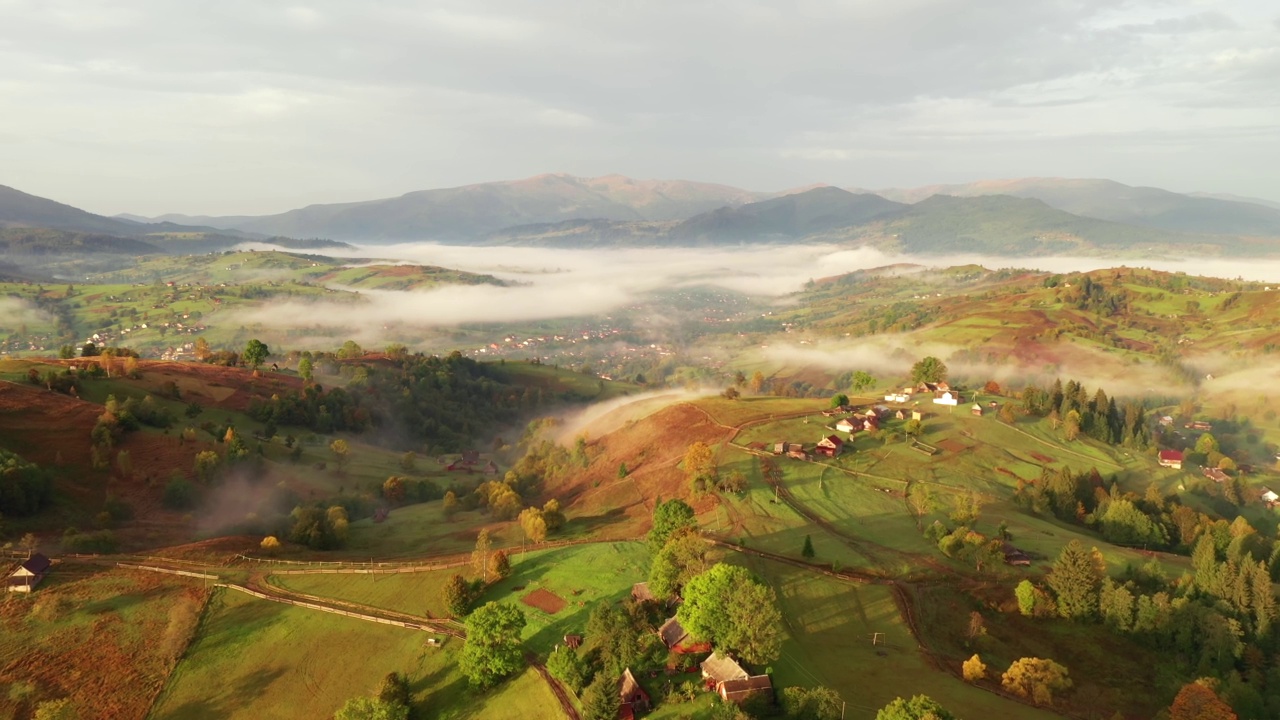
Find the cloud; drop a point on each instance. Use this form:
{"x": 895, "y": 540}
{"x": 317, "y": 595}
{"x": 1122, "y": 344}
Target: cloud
{"x": 15, "y": 312}
{"x": 752, "y": 94}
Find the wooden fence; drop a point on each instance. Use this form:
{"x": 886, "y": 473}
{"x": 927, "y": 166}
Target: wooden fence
{"x": 169, "y": 571}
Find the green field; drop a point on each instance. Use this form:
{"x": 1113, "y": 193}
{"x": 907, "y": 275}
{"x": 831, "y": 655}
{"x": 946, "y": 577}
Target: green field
{"x": 581, "y": 575}
{"x": 829, "y": 632}
{"x": 259, "y": 659}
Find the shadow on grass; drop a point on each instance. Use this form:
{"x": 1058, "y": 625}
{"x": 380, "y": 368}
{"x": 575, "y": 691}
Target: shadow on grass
{"x": 232, "y": 698}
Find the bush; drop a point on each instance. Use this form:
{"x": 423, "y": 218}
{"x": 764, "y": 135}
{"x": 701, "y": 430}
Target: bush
{"x": 179, "y": 494}
{"x": 102, "y": 541}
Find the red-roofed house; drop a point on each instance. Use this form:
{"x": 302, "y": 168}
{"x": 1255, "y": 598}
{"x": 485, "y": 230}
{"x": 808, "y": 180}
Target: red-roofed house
{"x": 1171, "y": 459}
{"x": 829, "y": 446}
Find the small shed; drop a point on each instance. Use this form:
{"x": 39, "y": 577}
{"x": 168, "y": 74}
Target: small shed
{"x": 573, "y": 642}
{"x": 29, "y": 573}
{"x": 976, "y": 410}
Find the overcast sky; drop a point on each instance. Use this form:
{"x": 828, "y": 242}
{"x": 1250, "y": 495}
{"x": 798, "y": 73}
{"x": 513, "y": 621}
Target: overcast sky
{"x": 246, "y": 106}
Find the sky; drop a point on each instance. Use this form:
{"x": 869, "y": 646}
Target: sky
{"x": 250, "y": 107}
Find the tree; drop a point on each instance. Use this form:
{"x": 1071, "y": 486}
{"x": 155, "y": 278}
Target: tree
{"x": 480, "y": 556}
{"x": 929, "y": 369}
{"x": 393, "y": 490}
{"x": 492, "y": 648}
{"x": 1026, "y": 594}
{"x": 565, "y": 665}
{"x": 304, "y": 368}
{"x": 700, "y": 467}
{"x": 861, "y": 380}
{"x": 807, "y": 551}
{"x": 255, "y": 352}
{"x": 622, "y": 470}
{"x": 1198, "y": 701}
{"x": 1076, "y": 579}
{"x": 1036, "y": 679}
{"x": 820, "y": 703}
{"x": 757, "y": 382}
{"x": 553, "y": 515}
{"x": 839, "y": 400}
{"x": 913, "y": 427}
{"x": 1207, "y": 444}
{"x": 534, "y": 525}
{"x": 269, "y": 545}
{"x": 921, "y": 499}
{"x": 409, "y": 461}
{"x": 206, "y": 463}
{"x": 974, "y": 669}
{"x": 457, "y": 596}
{"x": 341, "y": 452}
{"x": 920, "y": 707}
{"x": 450, "y": 504}
{"x": 371, "y": 708}
{"x": 501, "y": 565}
{"x": 728, "y": 606}
{"x": 668, "y": 517}
{"x": 683, "y": 557}
{"x": 600, "y": 701}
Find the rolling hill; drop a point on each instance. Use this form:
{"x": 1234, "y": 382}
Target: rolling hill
{"x": 791, "y": 216}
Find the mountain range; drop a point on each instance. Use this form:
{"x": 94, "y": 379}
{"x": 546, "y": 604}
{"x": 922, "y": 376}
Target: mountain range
{"x": 1030, "y": 215}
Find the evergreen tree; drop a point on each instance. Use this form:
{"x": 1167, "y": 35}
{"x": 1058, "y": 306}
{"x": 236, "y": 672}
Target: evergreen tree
{"x": 807, "y": 551}
{"x": 1075, "y": 580}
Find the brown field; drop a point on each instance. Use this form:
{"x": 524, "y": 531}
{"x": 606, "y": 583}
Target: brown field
{"x": 105, "y": 638}
{"x": 215, "y": 386}
{"x": 653, "y": 449}
{"x": 544, "y": 600}
{"x": 952, "y": 446}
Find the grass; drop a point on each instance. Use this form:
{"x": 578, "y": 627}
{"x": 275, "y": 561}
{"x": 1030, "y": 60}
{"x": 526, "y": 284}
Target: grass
{"x": 747, "y": 409}
{"x": 582, "y": 575}
{"x": 828, "y": 641}
{"x": 259, "y": 659}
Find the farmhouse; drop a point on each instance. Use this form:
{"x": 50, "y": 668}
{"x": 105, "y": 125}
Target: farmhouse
{"x": 1199, "y": 425}
{"x": 736, "y": 691}
{"x": 946, "y": 398}
{"x": 1171, "y": 459}
{"x": 848, "y": 426}
{"x": 976, "y": 410}
{"x": 1215, "y": 475}
{"x": 634, "y": 698}
{"x": 718, "y": 668}
{"x": 1269, "y": 496}
{"x": 829, "y": 446}
{"x": 897, "y": 397}
{"x": 29, "y": 573}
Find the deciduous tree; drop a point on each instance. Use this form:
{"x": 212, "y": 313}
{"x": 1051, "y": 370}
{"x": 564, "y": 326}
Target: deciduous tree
{"x": 457, "y": 596}
{"x": 492, "y": 648}
{"x": 1036, "y": 679}
{"x": 683, "y": 557}
{"x": 974, "y": 669}
{"x": 700, "y": 467}
{"x": 668, "y": 517}
{"x": 728, "y": 606}
{"x": 341, "y": 452}
{"x": 255, "y": 352}
{"x": 480, "y": 556}
{"x": 920, "y": 707}
{"x": 1198, "y": 701}
{"x": 565, "y": 665}
{"x": 929, "y": 369}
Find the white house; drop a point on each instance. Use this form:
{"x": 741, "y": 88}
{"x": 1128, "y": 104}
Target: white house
{"x": 29, "y": 573}
{"x": 947, "y": 398}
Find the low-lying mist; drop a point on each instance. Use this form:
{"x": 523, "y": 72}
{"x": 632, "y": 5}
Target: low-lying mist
{"x": 557, "y": 283}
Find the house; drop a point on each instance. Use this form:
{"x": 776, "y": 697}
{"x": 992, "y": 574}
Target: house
{"x": 1268, "y": 496}
{"x": 29, "y": 573}
{"x": 1166, "y": 421}
{"x": 900, "y": 415}
{"x": 718, "y": 668}
{"x": 672, "y": 632}
{"x": 1199, "y": 425}
{"x": 1014, "y": 556}
{"x": 1171, "y": 459}
{"x": 1215, "y": 475}
{"x": 946, "y": 398}
{"x": 573, "y": 642}
{"x": 640, "y": 592}
{"x": 490, "y": 468}
{"x": 796, "y": 451}
{"x": 897, "y": 397}
{"x": 976, "y": 410}
{"x": 917, "y": 415}
{"x": 736, "y": 691}
{"x": 470, "y": 457}
{"x": 848, "y": 426}
{"x": 829, "y": 446}
{"x": 779, "y": 448}
{"x": 634, "y": 698}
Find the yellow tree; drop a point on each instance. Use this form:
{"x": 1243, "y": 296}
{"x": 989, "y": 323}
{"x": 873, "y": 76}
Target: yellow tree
{"x": 700, "y": 467}
{"x": 341, "y": 452}
{"x": 974, "y": 669}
